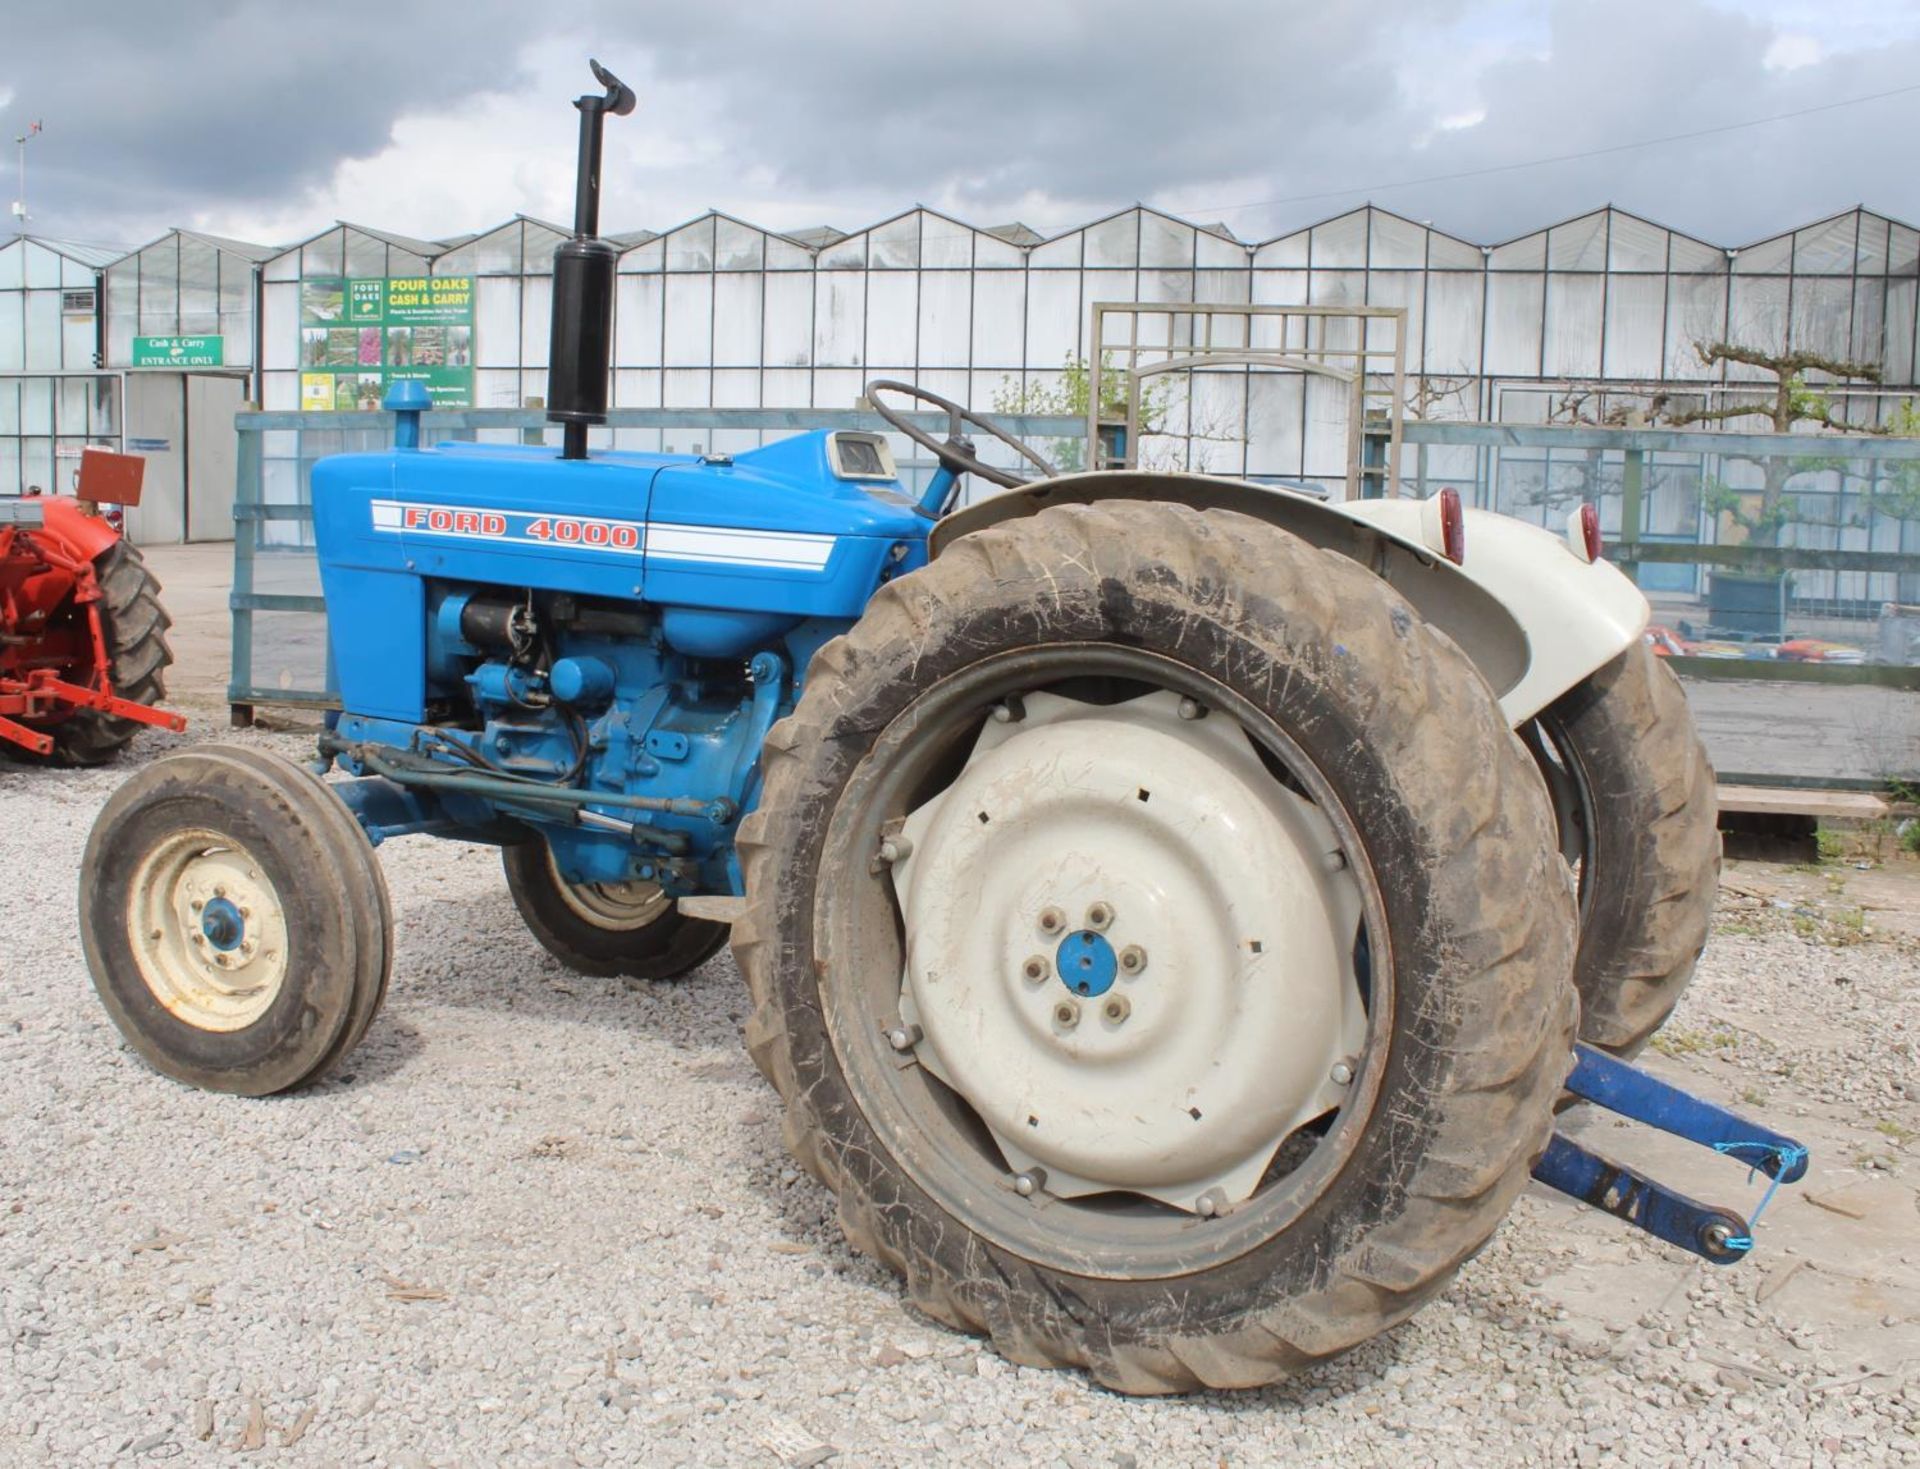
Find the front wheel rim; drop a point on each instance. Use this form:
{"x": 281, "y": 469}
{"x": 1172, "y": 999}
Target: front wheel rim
{"x": 948, "y": 1149}
{"x": 208, "y": 931}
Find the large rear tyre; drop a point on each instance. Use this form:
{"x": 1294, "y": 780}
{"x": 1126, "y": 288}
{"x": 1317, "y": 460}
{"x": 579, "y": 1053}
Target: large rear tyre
{"x": 1633, "y": 792}
{"x": 135, "y": 627}
{"x": 235, "y": 920}
{"x": 606, "y": 929}
{"x": 1222, "y": 917}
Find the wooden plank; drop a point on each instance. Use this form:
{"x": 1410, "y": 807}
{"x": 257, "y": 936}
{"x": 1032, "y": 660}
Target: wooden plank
{"x": 1775, "y": 801}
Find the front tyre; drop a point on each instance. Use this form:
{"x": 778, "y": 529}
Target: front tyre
{"x": 235, "y": 920}
{"x": 1633, "y": 792}
{"x": 1160, "y": 945}
{"x": 606, "y": 929}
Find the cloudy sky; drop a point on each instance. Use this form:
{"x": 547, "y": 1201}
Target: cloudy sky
{"x": 267, "y": 121}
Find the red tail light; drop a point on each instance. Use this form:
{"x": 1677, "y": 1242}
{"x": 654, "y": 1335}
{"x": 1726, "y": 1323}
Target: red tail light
{"x": 1590, "y": 532}
{"x": 1453, "y": 527}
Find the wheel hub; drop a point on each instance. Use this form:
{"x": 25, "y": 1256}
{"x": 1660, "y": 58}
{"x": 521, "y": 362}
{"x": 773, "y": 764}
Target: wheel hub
{"x": 208, "y": 931}
{"x": 1130, "y": 949}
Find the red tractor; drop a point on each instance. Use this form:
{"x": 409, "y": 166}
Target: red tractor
{"x": 83, "y": 647}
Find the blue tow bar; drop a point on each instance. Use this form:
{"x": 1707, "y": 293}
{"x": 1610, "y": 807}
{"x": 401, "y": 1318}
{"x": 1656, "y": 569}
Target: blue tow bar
{"x": 1715, "y": 1234}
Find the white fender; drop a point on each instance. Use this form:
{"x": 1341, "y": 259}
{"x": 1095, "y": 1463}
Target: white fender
{"x": 1577, "y": 615}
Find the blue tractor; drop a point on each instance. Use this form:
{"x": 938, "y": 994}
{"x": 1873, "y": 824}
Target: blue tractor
{"x": 1170, "y": 905}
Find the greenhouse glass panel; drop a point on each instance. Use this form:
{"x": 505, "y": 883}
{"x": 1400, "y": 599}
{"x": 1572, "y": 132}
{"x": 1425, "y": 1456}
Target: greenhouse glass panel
{"x": 1444, "y": 252}
{"x": 1636, "y": 245}
{"x": 496, "y": 321}
{"x": 1165, "y": 242}
{"x": 839, "y": 318}
{"x": 1873, "y": 244}
{"x": 1822, "y": 316}
{"x": 1338, "y": 287}
{"x": 1166, "y": 285}
{"x": 1579, "y": 244}
{"x": 1225, "y": 287}
{"x": 1529, "y": 252}
{"x": 1516, "y": 306}
{"x": 837, "y": 389}
{"x": 737, "y": 246}
{"x": 789, "y": 320}
{"x": 1574, "y": 325}
{"x": 1291, "y": 250}
{"x": 1058, "y": 254}
{"x": 367, "y": 257}
{"x": 326, "y": 255}
{"x": 785, "y": 255}
{"x": 1280, "y": 287}
{"x": 498, "y": 252}
{"x": 944, "y": 243}
{"x": 1114, "y": 241}
{"x": 847, "y": 254}
{"x": 1404, "y": 288}
{"x": 1693, "y": 257}
{"x": 1757, "y": 318}
{"x": 1340, "y": 242}
{"x": 1696, "y": 314}
{"x": 13, "y": 265}
{"x": 1396, "y": 242}
{"x": 43, "y": 331}
{"x": 536, "y": 323}
{"x": 690, "y": 248}
{"x": 538, "y": 245}
{"x": 946, "y": 332}
{"x": 43, "y": 268}
{"x": 1274, "y": 412}
{"x": 638, "y": 303}
{"x": 689, "y": 339}
{"x": 893, "y": 313}
{"x": 1901, "y": 305}
{"x": 786, "y": 388}
{"x": 496, "y": 388}
{"x": 896, "y": 245}
{"x": 999, "y": 320}
{"x": 683, "y": 387}
{"x": 1767, "y": 257}
{"x": 199, "y": 278}
{"x": 1827, "y": 248}
{"x": 1455, "y": 303}
{"x": 1053, "y": 315}
{"x": 736, "y": 319}
{"x": 645, "y": 258}
{"x": 1903, "y": 250}
{"x": 990, "y": 252}
{"x": 736, "y": 388}
{"x": 1869, "y": 322}
{"x": 636, "y": 388}
{"x": 1635, "y": 337}
{"x": 1213, "y": 253}
{"x": 1324, "y": 453}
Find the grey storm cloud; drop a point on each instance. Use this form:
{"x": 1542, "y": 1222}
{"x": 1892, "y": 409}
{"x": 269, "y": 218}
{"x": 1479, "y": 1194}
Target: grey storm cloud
{"x": 1267, "y": 115}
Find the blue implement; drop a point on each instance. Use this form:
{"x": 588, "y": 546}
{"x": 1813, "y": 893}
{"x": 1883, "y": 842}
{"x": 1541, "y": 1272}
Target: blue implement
{"x": 1714, "y": 1233}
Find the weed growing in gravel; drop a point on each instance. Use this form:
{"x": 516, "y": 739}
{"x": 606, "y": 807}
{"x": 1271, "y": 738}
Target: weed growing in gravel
{"x": 1679, "y": 1041}
{"x": 1887, "y": 1127}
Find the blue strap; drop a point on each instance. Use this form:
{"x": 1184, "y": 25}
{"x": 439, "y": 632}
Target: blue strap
{"x": 1775, "y": 1160}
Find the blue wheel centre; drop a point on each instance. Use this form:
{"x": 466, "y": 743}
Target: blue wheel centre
{"x": 1085, "y": 963}
{"x": 221, "y": 922}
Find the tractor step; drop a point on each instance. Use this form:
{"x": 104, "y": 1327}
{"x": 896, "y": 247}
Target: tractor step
{"x": 1716, "y": 1234}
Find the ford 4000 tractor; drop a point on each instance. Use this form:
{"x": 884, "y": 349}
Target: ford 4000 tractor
{"x": 1173, "y": 908}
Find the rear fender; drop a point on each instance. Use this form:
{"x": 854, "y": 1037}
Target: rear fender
{"x": 67, "y": 525}
{"x": 1532, "y": 616}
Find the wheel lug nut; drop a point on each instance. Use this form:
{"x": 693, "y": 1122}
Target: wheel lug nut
{"x": 905, "y": 1037}
{"x": 196, "y": 905}
{"x": 219, "y": 892}
{"x": 1052, "y": 920}
{"x": 1210, "y": 1203}
{"x": 1099, "y": 916}
{"x": 1029, "y": 1182}
{"x": 1192, "y": 709}
{"x": 1117, "y": 1008}
{"x": 1133, "y": 959}
{"x": 1342, "y": 1073}
{"x": 1035, "y": 969}
{"x": 199, "y": 938}
{"x": 1066, "y": 1015}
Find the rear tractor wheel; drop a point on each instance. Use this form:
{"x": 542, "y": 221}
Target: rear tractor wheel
{"x": 235, "y": 920}
{"x": 1160, "y": 945}
{"x": 1633, "y": 795}
{"x": 606, "y": 929}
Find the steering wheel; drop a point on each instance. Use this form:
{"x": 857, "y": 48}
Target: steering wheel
{"x": 956, "y": 453}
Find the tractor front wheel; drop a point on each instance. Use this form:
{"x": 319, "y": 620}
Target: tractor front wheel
{"x": 235, "y": 920}
{"x": 606, "y": 929}
{"x": 1160, "y": 944}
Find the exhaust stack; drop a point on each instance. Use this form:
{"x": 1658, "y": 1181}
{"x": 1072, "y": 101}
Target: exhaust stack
{"x": 580, "y": 352}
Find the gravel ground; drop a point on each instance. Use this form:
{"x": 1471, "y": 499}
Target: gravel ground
{"x": 545, "y": 1219}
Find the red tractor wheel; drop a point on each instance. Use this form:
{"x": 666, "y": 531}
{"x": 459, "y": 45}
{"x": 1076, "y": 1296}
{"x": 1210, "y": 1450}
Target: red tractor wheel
{"x": 83, "y": 646}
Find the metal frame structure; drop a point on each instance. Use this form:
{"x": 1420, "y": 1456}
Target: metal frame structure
{"x": 1305, "y": 339}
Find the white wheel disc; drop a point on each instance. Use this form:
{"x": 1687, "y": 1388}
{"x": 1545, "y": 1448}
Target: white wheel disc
{"x": 208, "y": 932}
{"x": 1131, "y": 950}
{"x": 618, "y": 907}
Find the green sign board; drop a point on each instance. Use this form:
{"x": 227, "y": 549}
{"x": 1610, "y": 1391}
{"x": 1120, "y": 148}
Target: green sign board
{"x": 179, "y": 351}
{"x": 357, "y": 336}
